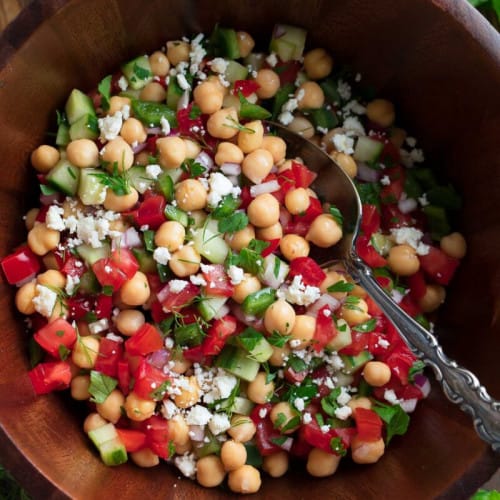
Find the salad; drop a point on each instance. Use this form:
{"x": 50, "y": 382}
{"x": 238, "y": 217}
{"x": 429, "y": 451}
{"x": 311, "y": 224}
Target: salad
{"x": 166, "y": 275}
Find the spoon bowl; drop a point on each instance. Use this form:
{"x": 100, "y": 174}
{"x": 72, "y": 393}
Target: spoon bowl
{"x": 334, "y": 186}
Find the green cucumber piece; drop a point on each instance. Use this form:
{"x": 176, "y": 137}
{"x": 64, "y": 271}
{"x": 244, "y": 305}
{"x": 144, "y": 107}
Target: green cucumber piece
{"x": 256, "y": 60}
{"x": 210, "y": 306}
{"x": 209, "y": 446}
{"x": 381, "y": 243}
{"x": 174, "y": 93}
{"x": 324, "y": 118}
{"x": 288, "y": 42}
{"x": 354, "y": 363}
{"x": 166, "y": 186}
{"x": 237, "y": 362}
{"x": 274, "y": 271}
{"x": 91, "y": 255}
{"x": 209, "y": 242}
{"x": 343, "y": 337}
{"x": 64, "y": 177}
{"x": 88, "y": 283}
{"x": 90, "y": 189}
{"x": 367, "y": 150}
{"x": 255, "y": 344}
{"x": 438, "y": 221}
{"x": 224, "y": 43}
{"x": 151, "y": 113}
{"x": 138, "y": 72}
{"x": 242, "y": 406}
{"x": 146, "y": 262}
{"x": 86, "y": 127}
{"x": 138, "y": 178}
{"x": 256, "y": 303}
{"x": 78, "y": 105}
{"x": 189, "y": 335}
{"x": 174, "y": 213}
{"x": 62, "y": 137}
{"x": 235, "y": 71}
{"x": 329, "y": 87}
{"x": 108, "y": 443}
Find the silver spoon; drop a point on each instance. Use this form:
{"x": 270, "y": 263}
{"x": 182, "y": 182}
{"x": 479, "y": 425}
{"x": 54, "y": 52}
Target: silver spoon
{"x": 461, "y": 386}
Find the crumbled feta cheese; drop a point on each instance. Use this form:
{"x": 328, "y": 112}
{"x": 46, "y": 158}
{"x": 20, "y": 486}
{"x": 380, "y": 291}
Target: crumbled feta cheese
{"x": 343, "y": 413}
{"x": 410, "y": 236}
{"x": 236, "y": 274}
{"x": 343, "y": 143}
{"x": 383, "y": 343}
{"x": 299, "y": 404}
{"x": 325, "y": 428}
{"x": 53, "y": 218}
{"x": 44, "y": 300}
{"x": 385, "y": 181}
{"x": 162, "y": 255}
{"x": 196, "y": 56}
{"x": 396, "y": 295}
{"x": 218, "y": 65}
{"x": 307, "y": 418}
{"x": 353, "y": 107}
{"x": 198, "y": 280}
{"x": 176, "y": 286}
{"x": 295, "y": 343}
{"x": 169, "y": 343}
{"x": 71, "y": 284}
{"x": 423, "y": 200}
{"x": 98, "y": 326}
{"x": 417, "y": 155}
{"x": 224, "y": 384}
{"x": 322, "y": 130}
{"x": 298, "y": 293}
{"x": 165, "y": 126}
{"x": 272, "y": 60}
{"x": 344, "y": 397}
{"x": 390, "y": 396}
{"x": 292, "y": 104}
{"x": 169, "y": 409}
{"x": 220, "y": 186}
{"x": 114, "y": 338}
{"x": 123, "y": 83}
{"x": 110, "y": 126}
{"x": 125, "y": 112}
{"x": 344, "y": 90}
{"x": 263, "y": 412}
{"x": 219, "y": 423}
{"x": 198, "y": 415}
{"x": 357, "y": 78}
{"x": 186, "y": 464}
{"x": 183, "y": 83}
{"x": 411, "y": 141}
{"x": 285, "y": 118}
{"x": 153, "y": 171}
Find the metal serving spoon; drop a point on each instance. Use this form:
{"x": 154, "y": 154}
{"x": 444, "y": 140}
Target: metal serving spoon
{"x": 460, "y": 385}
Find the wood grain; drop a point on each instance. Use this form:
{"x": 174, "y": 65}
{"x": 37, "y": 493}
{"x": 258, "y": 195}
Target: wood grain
{"x": 437, "y": 59}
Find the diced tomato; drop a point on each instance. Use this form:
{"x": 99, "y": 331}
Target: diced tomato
{"x": 218, "y": 282}
{"x": 313, "y": 210}
{"x": 147, "y": 339}
{"x": 303, "y": 176}
{"x": 390, "y": 154}
{"x": 157, "y": 312}
{"x": 151, "y": 212}
{"x": 132, "y": 439}
{"x": 246, "y": 197}
{"x": 187, "y": 125}
{"x": 175, "y": 301}
{"x": 157, "y": 435}
{"x": 300, "y": 447}
{"x": 359, "y": 343}
{"x": 294, "y": 377}
{"x": 246, "y": 87}
{"x": 125, "y": 261}
{"x": 370, "y": 220}
{"x": 271, "y": 248}
{"x": 404, "y": 392}
{"x": 265, "y": 432}
{"x": 151, "y": 144}
{"x": 195, "y": 354}
{"x": 295, "y": 226}
{"x": 377, "y": 343}
{"x": 313, "y": 434}
{"x": 52, "y": 376}
{"x": 393, "y": 218}
{"x": 373, "y": 308}
{"x": 217, "y": 335}
{"x": 368, "y": 424}
{"x": 20, "y": 265}
{"x": 73, "y": 267}
{"x": 108, "y": 274}
{"x": 57, "y": 338}
{"x": 148, "y": 379}
{"x": 385, "y": 282}
{"x": 400, "y": 360}
{"x": 438, "y": 266}
{"x": 103, "y": 306}
{"x": 79, "y": 307}
{"x": 392, "y": 193}
{"x": 286, "y": 180}
{"x": 123, "y": 375}
{"x": 409, "y": 306}
{"x": 287, "y": 71}
{"x": 416, "y": 284}
{"x": 321, "y": 377}
{"x": 367, "y": 252}
{"x": 325, "y": 328}
{"x": 310, "y": 271}
{"x": 110, "y": 353}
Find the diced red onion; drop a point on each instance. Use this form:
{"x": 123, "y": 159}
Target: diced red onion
{"x": 366, "y": 173}
{"x": 287, "y": 444}
{"x": 183, "y": 102}
{"x": 49, "y": 199}
{"x": 153, "y": 130}
{"x": 324, "y": 300}
{"x": 197, "y": 432}
{"x": 422, "y": 382}
{"x": 222, "y": 312}
{"x": 139, "y": 147}
{"x": 205, "y": 160}
{"x": 265, "y": 187}
{"x": 131, "y": 238}
{"x": 407, "y": 205}
{"x": 231, "y": 168}
{"x": 247, "y": 319}
{"x": 285, "y": 217}
{"x": 279, "y": 31}
{"x": 159, "y": 358}
{"x": 408, "y": 405}
{"x": 163, "y": 293}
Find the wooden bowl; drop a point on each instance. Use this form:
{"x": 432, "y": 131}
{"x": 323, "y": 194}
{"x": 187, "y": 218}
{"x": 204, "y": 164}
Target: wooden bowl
{"x": 437, "y": 59}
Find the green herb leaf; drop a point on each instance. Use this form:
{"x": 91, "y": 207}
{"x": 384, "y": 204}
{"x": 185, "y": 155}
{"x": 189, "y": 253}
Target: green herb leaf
{"x": 235, "y": 222}
{"x": 226, "y": 207}
{"x": 171, "y": 448}
{"x": 117, "y": 181}
{"x": 90, "y": 317}
{"x": 61, "y": 118}
{"x": 249, "y": 338}
{"x": 487, "y": 494}
{"x": 63, "y": 351}
{"x": 337, "y": 446}
{"x": 369, "y": 192}
{"x": 341, "y": 286}
{"x": 140, "y": 72}
{"x": 280, "y": 440}
{"x": 351, "y": 302}
{"x": 47, "y": 190}
{"x": 320, "y": 419}
{"x": 195, "y": 112}
{"x": 104, "y": 89}
{"x": 232, "y": 123}
{"x": 280, "y": 420}
{"x": 149, "y": 240}
{"x": 193, "y": 168}
{"x": 291, "y": 424}
{"x": 296, "y": 364}
{"x": 306, "y": 391}
{"x": 160, "y": 392}
{"x": 107, "y": 290}
{"x": 335, "y": 213}
{"x": 366, "y": 327}
{"x": 416, "y": 369}
{"x": 277, "y": 339}
{"x": 101, "y": 386}
{"x": 395, "y": 418}
{"x": 329, "y": 402}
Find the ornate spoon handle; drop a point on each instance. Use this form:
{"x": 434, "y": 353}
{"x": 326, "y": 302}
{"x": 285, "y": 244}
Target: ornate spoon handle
{"x": 460, "y": 385}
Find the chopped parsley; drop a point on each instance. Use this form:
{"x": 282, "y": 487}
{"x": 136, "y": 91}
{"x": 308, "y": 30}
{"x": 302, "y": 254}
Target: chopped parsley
{"x": 193, "y": 168}
{"x": 335, "y": 213}
{"x": 416, "y": 369}
{"x": 233, "y": 223}
{"x": 366, "y": 327}
{"x": 340, "y": 286}
{"x": 277, "y": 339}
{"x": 395, "y": 418}
{"x": 104, "y": 89}
{"x": 337, "y": 446}
{"x": 101, "y": 386}
{"x": 117, "y": 181}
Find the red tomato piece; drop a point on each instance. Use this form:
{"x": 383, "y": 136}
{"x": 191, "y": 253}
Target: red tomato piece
{"x": 157, "y": 435}
{"x": 151, "y": 212}
{"x": 400, "y": 360}
{"x": 148, "y": 379}
{"x": 52, "y": 376}
{"x": 123, "y": 375}
{"x": 195, "y": 354}
{"x": 287, "y": 71}
{"x": 300, "y": 447}
{"x": 79, "y": 307}
{"x": 303, "y": 176}
{"x": 103, "y": 306}
{"x": 316, "y": 437}
{"x": 110, "y": 353}
{"x": 286, "y": 180}
{"x": 187, "y": 125}
{"x": 438, "y": 266}
{"x": 325, "y": 328}
{"x": 393, "y": 218}
{"x": 125, "y": 261}
{"x": 246, "y": 87}
{"x": 218, "y": 282}
{"x": 20, "y": 265}
{"x": 295, "y": 226}
{"x": 392, "y": 193}
{"x": 271, "y": 248}
{"x": 56, "y": 338}
{"x": 151, "y": 144}
{"x": 73, "y": 267}
{"x": 175, "y": 301}
{"x": 265, "y": 432}
{"x": 373, "y": 308}
{"x": 217, "y": 335}
{"x": 409, "y": 306}
{"x": 108, "y": 274}
{"x": 310, "y": 271}
{"x": 132, "y": 439}
{"x": 367, "y": 252}
{"x": 147, "y": 339}
{"x": 370, "y": 220}
{"x": 246, "y": 197}
{"x": 313, "y": 210}
{"x": 368, "y": 424}
{"x": 294, "y": 377}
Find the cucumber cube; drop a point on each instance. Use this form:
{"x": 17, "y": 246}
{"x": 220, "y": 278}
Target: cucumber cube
{"x": 138, "y": 72}
{"x": 78, "y": 105}
{"x": 86, "y": 127}
{"x": 64, "y": 176}
{"x": 90, "y": 190}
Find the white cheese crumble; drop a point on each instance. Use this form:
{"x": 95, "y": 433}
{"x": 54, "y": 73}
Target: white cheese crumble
{"x": 98, "y": 326}
{"x": 218, "y": 65}
{"x": 343, "y": 413}
{"x": 176, "y": 286}
{"x": 299, "y": 404}
{"x": 354, "y": 107}
{"x": 219, "y": 423}
{"x": 353, "y": 126}
{"x": 198, "y": 280}
{"x": 272, "y": 60}
{"x": 165, "y": 126}
{"x": 162, "y": 255}
{"x": 53, "y": 218}
{"x": 344, "y": 90}
{"x": 169, "y": 409}
{"x": 110, "y": 126}
{"x": 220, "y": 186}
{"x": 411, "y": 141}
{"x": 198, "y": 415}
{"x": 71, "y": 284}
{"x": 383, "y": 343}
{"x": 236, "y": 274}
{"x": 385, "y": 181}
{"x": 390, "y": 396}
{"x": 423, "y": 200}
{"x": 298, "y": 293}
{"x": 44, "y": 300}
{"x": 343, "y": 143}
{"x": 125, "y": 112}
{"x": 410, "y": 236}
{"x": 344, "y": 397}
{"x": 263, "y": 412}
{"x": 123, "y": 83}
{"x": 307, "y": 418}
{"x": 183, "y": 83}
{"x": 186, "y": 464}
{"x": 153, "y": 171}
{"x": 285, "y": 118}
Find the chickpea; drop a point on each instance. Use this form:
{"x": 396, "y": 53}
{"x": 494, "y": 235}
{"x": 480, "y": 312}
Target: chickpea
{"x": 190, "y": 195}
{"x": 257, "y": 165}
{"x": 250, "y": 138}
{"x": 357, "y": 291}
{"x": 170, "y": 235}
{"x": 333, "y": 277}
{"x": 283, "y": 416}
{"x": 216, "y": 80}
{"x": 272, "y": 232}
{"x": 184, "y": 448}
{"x": 190, "y": 394}
{"x": 129, "y": 321}
{"x": 233, "y": 455}
{"x": 245, "y": 43}
{"x": 250, "y": 284}
{"x": 297, "y": 201}
{"x": 269, "y": 82}
{"x": 153, "y": 92}
{"x": 61, "y": 310}
{"x": 178, "y": 430}
{"x": 138, "y": 409}
{"x": 280, "y": 317}
{"x": 185, "y": 261}
{"x": 118, "y": 152}
{"x": 324, "y": 231}
{"x": 359, "y": 402}
{"x": 145, "y": 458}
{"x": 193, "y": 149}
{"x": 172, "y": 151}
{"x": 434, "y": 296}
{"x": 357, "y": 314}
{"x": 258, "y": 390}
{"x": 24, "y": 298}
{"x": 318, "y": 64}
{"x": 117, "y": 103}
{"x": 120, "y": 203}
{"x": 366, "y": 452}
{"x": 346, "y": 163}
{"x": 133, "y": 131}
{"x": 276, "y": 146}
{"x": 135, "y": 291}
{"x": 82, "y": 153}
{"x": 454, "y": 245}
{"x": 111, "y": 408}
{"x": 41, "y": 239}
{"x": 240, "y": 239}
{"x": 228, "y": 152}
{"x": 44, "y": 158}
{"x": 178, "y": 51}
{"x": 279, "y": 355}
{"x": 85, "y": 352}
{"x": 312, "y": 96}
{"x": 210, "y": 471}
{"x": 264, "y": 210}
{"x": 276, "y": 464}
{"x": 231, "y": 101}
{"x": 302, "y": 126}
{"x": 246, "y": 479}
{"x": 303, "y": 331}
{"x": 223, "y": 123}
{"x": 160, "y": 66}
{"x": 242, "y": 428}
{"x": 208, "y": 97}
{"x": 80, "y": 387}
{"x": 381, "y": 112}
{"x": 376, "y": 373}
{"x": 321, "y": 463}
{"x": 327, "y": 139}
{"x": 403, "y": 260}
{"x": 52, "y": 278}
{"x": 398, "y": 136}
{"x": 293, "y": 246}
{"x": 92, "y": 422}
{"x": 30, "y": 218}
